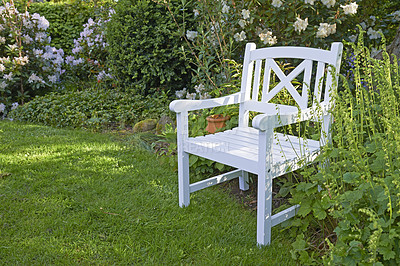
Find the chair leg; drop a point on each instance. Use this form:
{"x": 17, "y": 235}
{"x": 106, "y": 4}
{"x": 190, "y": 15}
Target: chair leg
{"x": 264, "y": 208}
{"x": 183, "y": 179}
{"x": 244, "y": 181}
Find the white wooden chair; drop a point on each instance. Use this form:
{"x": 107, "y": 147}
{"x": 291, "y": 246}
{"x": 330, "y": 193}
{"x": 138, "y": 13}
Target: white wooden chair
{"x": 258, "y": 149}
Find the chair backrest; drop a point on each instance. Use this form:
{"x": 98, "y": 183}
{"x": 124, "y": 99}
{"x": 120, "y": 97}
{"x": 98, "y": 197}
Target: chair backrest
{"x": 311, "y": 79}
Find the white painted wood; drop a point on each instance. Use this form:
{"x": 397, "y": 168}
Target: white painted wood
{"x": 215, "y": 180}
{"x": 246, "y": 84}
{"x": 192, "y": 105}
{"x": 264, "y": 188}
{"x": 183, "y": 159}
{"x": 319, "y": 79}
{"x": 258, "y": 149}
{"x": 284, "y": 215}
{"x": 244, "y": 181}
{"x": 256, "y": 83}
{"x": 295, "y": 52}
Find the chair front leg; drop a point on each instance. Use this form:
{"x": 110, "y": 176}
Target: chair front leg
{"x": 183, "y": 159}
{"x": 183, "y": 179}
{"x": 264, "y": 188}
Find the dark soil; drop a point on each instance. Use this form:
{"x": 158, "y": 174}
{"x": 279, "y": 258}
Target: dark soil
{"x": 249, "y": 198}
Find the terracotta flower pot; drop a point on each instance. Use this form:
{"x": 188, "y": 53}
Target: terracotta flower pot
{"x": 214, "y": 122}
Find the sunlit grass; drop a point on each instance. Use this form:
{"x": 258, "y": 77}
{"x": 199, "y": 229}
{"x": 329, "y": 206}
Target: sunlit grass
{"x": 70, "y": 197}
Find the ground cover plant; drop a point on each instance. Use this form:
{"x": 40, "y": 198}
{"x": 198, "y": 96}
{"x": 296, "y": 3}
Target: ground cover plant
{"x": 353, "y": 197}
{"x": 93, "y": 109}
{"x": 70, "y": 196}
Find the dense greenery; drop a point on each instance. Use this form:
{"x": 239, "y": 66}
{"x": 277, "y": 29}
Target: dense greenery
{"x": 357, "y": 212}
{"x": 145, "y": 47}
{"x": 66, "y": 21}
{"x": 91, "y": 108}
{"x": 73, "y": 197}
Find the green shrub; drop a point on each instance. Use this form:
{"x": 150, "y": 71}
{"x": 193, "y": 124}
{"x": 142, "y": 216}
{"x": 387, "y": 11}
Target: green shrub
{"x": 146, "y": 47}
{"x": 357, "y": 212}
{"x": 92, "y": 108}
{"x": 66, "y": 21}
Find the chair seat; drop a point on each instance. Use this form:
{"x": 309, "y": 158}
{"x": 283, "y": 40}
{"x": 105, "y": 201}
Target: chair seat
{"x": 238, "y": 148}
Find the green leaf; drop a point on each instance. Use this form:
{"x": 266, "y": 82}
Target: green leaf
{"x": 351, "y": 177}
{"x": 319, "y": 211}
{"x": 387, "y": 252}
{"x": 378, "y": 164}
{"x": 300, "y": 243}
{"x": 219, "y": 166}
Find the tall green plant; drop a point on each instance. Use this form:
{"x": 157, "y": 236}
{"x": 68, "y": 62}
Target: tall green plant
{"x": 358, "y": 208}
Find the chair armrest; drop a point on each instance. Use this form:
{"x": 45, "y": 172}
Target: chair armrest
{"x": 269, "y": 121}
{"x": 179, "y": 106}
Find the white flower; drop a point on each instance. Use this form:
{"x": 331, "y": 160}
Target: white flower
{"x": 34, "y": 78}
{"x": 199, "y": 88}
{"x": 191, "y": 35}
{"x": 396, "y": 15}
{"x": 69, "y": 59}
{"x": 37, "y": 52}
{"x": 181, "y": 93}
{"x": 76, "y": 49}
{"x": 329, "y": 3}
{"x": 225, "y": 8}
{"x": 268, "y": 38}
{"x": 13, "y": 47}
{"x": 350, "y": 9}
{"x": 240, "y": 36}
{"x": 277, "y": 3}
{"x": 196, "y": 12}
{"x": 353, "y": 38}
{"x": 2, "y": 107}
{"x": 77, "y": 61}
{"x": 242, "y": 23}
{"x": 245, "y": 13}
{"x": 205, "y": 96}
{"x": 3, "y": 84}
{"x": 2, "y": 68}
{"x": 27, "y": 39}
{"x": 48, "y": 55}
{"x": 22, "y": 60}
{"x": 375, "y": 52}
{"x": 373, "y": 34}
{"x": 300, "y": 24}
{"x": 40, "y": 36}
{"x": 8, "y": 76}
{"x": 52, "y": 78}
{"x": 191, "y": 96}
{"x": 311, "y": 2}
{"x": 2, "y": 40}
{"x": 14, "y": 106}
{"x": 363, "y": 25}
{"x": 325, "y": 30}
{"x": 43, "y": 23}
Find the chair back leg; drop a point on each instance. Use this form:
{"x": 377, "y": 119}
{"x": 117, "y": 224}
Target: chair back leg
{"x": 244, "y": 181}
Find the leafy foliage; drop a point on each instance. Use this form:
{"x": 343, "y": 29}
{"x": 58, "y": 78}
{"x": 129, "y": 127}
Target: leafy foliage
{"x": 358, "y": 208}
{"x": 145, "y": 47}
{"x": 66, "y": 20}
{"x": 92, "y": 108}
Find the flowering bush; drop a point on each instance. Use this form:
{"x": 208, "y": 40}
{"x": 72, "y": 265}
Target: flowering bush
{"x": 28, "y": 64}
{"x": 89, "y": 53}
{"x": 223, "y": 27}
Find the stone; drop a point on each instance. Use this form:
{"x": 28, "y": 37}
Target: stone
{"x": 145, "y": 125}
{"x": 164, "y": 120}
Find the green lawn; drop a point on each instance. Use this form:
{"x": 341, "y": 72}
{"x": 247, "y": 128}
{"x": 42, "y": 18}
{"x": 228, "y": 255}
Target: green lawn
{"x": 69, "y": 197}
